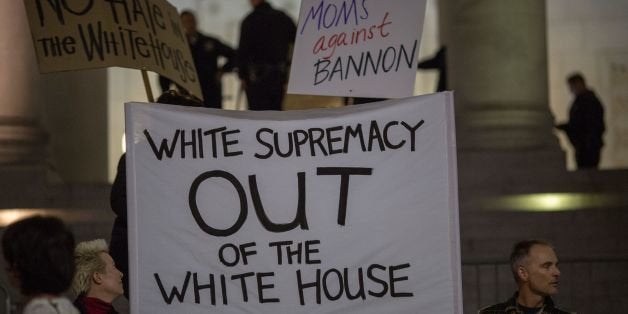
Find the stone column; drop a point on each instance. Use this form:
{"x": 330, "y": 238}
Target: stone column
{"x": 497, "y": 62}
{"x": 22, "y": 140}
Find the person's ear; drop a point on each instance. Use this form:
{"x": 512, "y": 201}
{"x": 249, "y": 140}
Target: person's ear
{"x": 96, "y": 278}
{"x": 522, "y": 272}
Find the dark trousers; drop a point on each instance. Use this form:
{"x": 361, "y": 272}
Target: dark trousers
{"x": 212, "y": 96}
{"x": 264, "y": 89}
{"x": 588, "y": 158}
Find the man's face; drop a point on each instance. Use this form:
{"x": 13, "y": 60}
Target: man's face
{"x": 541, "y": 270}
{"x": 255, "y": 3}
{"x": 111, "y": 278}
{"x": 576, "y": 88}
{"x": 188, "y": 21}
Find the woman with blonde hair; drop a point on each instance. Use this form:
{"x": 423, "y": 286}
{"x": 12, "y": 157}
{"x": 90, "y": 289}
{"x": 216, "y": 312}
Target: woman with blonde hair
{"x": 97, "y": 281}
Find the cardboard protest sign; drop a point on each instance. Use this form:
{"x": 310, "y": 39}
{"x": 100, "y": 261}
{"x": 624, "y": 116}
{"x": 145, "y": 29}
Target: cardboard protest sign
{"x": 147, "y": 34}
{"x": 357, "y": 48}
{"x": 349, "y": 210}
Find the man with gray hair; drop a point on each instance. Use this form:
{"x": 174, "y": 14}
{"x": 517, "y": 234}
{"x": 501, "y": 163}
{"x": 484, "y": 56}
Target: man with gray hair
{"x": 535, "y": 267}
{"x": 97, "y": 281}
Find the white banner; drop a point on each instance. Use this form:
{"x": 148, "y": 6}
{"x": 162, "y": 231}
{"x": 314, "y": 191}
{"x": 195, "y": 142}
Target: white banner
{"x": 349, "y": 210}
{"x": 357, "y": 48}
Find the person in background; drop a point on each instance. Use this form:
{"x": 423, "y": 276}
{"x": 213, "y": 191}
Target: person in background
{"x": 97, "y": 281}
{"x": 437, "y": 62}
{"x": 534, "y": 266}
{"x": 119, "y": 247}
{"x": 266, "y": 37}
{"x": 205, "y": 51}
{"x": 39, "y": 253}
{"x": 586, "y": 123}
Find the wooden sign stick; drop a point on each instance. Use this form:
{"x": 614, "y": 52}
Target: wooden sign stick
{"x": 149, "y": 91}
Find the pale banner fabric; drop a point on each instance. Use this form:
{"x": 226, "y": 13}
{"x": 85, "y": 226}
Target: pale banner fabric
{"x": 349, "y": 210}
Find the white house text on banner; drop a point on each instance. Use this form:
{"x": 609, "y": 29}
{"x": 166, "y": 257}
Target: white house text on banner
{"x": 147, "y": 34}
{"x": 361, "y": 48}
{"x": 348, "y": 210}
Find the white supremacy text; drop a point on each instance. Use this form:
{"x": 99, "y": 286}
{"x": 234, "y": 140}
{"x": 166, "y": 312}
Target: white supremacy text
{"x": 199, "y": 143}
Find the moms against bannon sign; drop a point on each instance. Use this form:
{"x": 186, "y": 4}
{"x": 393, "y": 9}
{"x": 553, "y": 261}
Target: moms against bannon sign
{"x": 357, "y": 47}
{"x": 84, "y": 34}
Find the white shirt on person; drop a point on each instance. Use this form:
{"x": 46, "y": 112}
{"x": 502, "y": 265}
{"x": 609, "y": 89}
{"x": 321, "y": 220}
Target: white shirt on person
{"x": 54, "y": 305}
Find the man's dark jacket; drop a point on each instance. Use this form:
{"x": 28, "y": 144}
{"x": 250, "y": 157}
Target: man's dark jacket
{"x": 511, "y": 307}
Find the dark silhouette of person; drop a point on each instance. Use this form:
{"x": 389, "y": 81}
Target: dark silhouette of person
{"x": 437, "y": 62}
{"x": 205, "y": 51}
{"x": 266, "y": 36}
{"x": 119, "y": 246}
{"x": 39, "y": 253}
{"x": 586, "y": 123}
